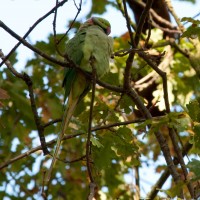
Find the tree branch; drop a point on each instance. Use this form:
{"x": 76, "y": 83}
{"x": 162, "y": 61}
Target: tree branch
{"x": 172, "y": 133}
{"x": 162, "y": 74}
{"x": 27, "y": 153}
{"x": 32, "y": 28}
{"x": 29, "y": 84}
{"x": 88, "y": 143}
{"x": 155, "y": 15}
{"x": 68, "y": 64}
{"x": 33, "y": 150}
{"x": 79, "y": 10}
{"x": 129, "y": 61}
{"x": 131, "y": 93}
{"x": 171, "y": 9}
{"x": 121, "y": 8}
{"x": 155, "y": 189}
{"x": 36, "y": 50}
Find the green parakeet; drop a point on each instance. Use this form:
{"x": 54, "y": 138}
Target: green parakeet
{"x": 91, "y": 44}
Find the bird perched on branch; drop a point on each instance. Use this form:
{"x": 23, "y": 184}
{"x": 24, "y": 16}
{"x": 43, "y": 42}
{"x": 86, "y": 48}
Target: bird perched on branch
{"x": 90, "y": 48}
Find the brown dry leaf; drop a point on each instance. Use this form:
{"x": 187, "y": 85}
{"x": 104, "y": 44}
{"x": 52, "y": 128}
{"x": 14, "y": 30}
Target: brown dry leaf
{"x": 4, "y": 94}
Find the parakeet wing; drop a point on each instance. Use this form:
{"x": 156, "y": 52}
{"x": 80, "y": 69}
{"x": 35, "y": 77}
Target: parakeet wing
{"x": 74, "y": 50}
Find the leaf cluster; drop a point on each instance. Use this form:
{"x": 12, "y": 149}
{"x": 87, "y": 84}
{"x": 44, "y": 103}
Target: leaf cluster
{"x": 123, "y": 141}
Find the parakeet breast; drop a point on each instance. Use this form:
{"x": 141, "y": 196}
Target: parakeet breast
{"x": 97, "y": 50}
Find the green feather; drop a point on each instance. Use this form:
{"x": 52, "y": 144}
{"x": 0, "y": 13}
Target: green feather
{"x": 69, "y": 77}
{"x": 90, "y": 44}
{"x": 75, "y": 53}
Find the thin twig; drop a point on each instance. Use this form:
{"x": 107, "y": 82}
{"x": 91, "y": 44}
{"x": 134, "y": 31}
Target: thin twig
{"x": 165, "y": 29}
{"x": 179, "y": 155}
{"x": 96, "y": 128}
{"x": 52, "y": 122}
{"x": 72, "y": 23}
{"x": 93, "y": 186}
{"x": 54, "y": 32}
{"x": 128, "y": 22}
{"x": 88, "y": 143}
{"x": 54, "y": 21}
{"x": 68, "y": 137}
{"x": 36, "y": 50}
{"x": 148, "y": 35}
{"x": 111, "y": 125}
{"x": 72, "y": 161}
{"x": 161, "y": 73}
{"x": 120, "y": 6}
{"x": 142, "y": 21}
{"x": 32, "y": 28}
{"x": 129, "y": 61}
{"x": 29, "y": 84}
{"x": 43, "y": 194}
{"x": 131, "y": 55}
{"x": 33, "y": 150}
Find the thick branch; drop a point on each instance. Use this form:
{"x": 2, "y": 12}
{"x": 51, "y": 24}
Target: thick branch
{"x": 171, "y": 9}
{"x": 155, "y": 15}
{"x": 131, "y": 93}
{"x": 155, "y": 189}
{"x": 161, "y": 73}
{"x": 163, "y": 145}
{"x": 135, "y": 43}
{"x": 172, "y": 133}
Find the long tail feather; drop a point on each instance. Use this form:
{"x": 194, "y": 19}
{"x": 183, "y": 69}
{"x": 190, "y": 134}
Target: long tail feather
{"x": 65, "y": 121}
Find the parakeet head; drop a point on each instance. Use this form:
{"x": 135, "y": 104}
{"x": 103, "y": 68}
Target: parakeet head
{"x": 101, "y": 22}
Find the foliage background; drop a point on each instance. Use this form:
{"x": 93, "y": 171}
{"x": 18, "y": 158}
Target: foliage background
{"x": 117, "y": 150}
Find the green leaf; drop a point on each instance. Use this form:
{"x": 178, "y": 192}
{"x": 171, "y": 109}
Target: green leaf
{"x": 196, "y": 140}
{"x": 103, "y": 156}
{"x": 13, "y": 58}
{"x": 123, "y": 144}
{"x": 189, "y": 19}
{"x": 126, "y": 104}
{"x": 175, "y": 191}
{"x": 125, "y": 133}
{"x": 194, "y": 110}
{"x": 193, "y": 165}
{"x": 192, "y": 1}
{"x": 192, "y": 32}
{"x": 95, "y": 142}
{"x": 99, "y": 7}
{"x": 179, "y": 120}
